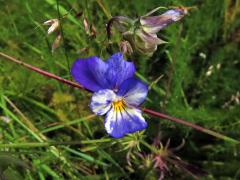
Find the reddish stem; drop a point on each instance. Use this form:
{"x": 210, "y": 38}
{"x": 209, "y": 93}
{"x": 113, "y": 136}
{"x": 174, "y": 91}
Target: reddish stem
{"x": 148, "y": 111}
{"x": 179, "y": 121}
{"x": 189, "y": 124}
{"x": 44, "y": 73}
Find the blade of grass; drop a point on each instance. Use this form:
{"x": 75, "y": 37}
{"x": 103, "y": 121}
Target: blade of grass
{"x": 26, "y": 123}
{"x": 63, "y": 37}
{"x": 86, "y": 157}
{"x": 53, "y": 143}
{"x": 46, "y": 130}
{"x": 106, "y": 12}
{"x": 158, "y": 90}
{"x": 63, "y": 11}
{"x": 4, "y": 107}
{"x": 12, "y": 116}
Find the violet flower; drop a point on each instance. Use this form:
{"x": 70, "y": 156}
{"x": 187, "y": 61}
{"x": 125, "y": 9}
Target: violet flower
{"x": 117, "y": 93}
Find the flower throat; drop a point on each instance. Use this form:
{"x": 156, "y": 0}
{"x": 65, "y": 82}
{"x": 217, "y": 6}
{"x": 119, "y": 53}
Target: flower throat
{"x": 118, "y": 105}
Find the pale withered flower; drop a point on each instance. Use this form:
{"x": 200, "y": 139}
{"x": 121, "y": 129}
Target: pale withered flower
{"x": 90, "y": 29}
{"x": 141, "y": 33}
{"x": 56, "y": 43}
{"x": 54, "y": 28}
{"x": 54, "y": 25}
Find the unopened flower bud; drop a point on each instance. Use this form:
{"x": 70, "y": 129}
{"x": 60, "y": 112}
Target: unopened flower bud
{"x": 143, "y": 42}
{"x": 153, "y": 24}
{"x": 121, "y": 23}
{"x": 126, "y": 47}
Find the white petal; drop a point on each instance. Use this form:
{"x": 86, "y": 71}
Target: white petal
{"x": 120, "y": 123}
{"x": 136, "y": 96}
{"x": 134, "y": 91}
{"x": 110, "y": 121}
{"x": 101, "y": 101}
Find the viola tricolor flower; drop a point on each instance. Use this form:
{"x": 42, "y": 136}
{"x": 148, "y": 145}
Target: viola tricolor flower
{"x": 117, "y": 93}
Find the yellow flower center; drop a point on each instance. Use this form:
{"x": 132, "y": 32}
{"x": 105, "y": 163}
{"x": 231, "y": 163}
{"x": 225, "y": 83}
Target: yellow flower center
{"x": 118, "y": 105}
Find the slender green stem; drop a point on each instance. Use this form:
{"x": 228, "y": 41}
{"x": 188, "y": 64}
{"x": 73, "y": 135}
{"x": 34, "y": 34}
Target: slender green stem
{"x": 154, "y": 87}
{"x": 96, "y": 141}
{"x": 153, "y": 149}
{"x": 108, "y": 14}
{"x": 85, "y": 156}
{"x": 53, "y": 128}
{"x": 38, "y": 144}
{"x": 64, "y": 42}
{"x": 47, "y": 144}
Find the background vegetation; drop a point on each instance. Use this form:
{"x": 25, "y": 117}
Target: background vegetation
{"x": 200, "y": 68}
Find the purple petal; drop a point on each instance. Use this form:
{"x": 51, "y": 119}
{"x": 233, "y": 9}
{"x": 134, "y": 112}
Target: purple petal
{"x": 133, "y": 91}
{"x": 95, "y": 74}
{"x": 90, "y": 73}
{"x": 118, "y": 70}
{"x": 153, "y": 24}
{"x": 120, "y": 123}
{"x": 99, "y": 68}
{"x": 101, "y": 101}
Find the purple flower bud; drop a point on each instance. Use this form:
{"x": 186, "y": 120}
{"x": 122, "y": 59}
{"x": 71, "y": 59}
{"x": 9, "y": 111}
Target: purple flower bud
{"x": 143, "y": 42}
{"x": 125, "y": 47}
{"x": 121, "y": 23}
{"x": 153, "y": 24}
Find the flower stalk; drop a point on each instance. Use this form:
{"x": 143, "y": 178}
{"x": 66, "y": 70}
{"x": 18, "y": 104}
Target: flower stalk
{"x": 148, "y": 111}
{"x": 42, "y": 72}
{"x": 189, "y": 124}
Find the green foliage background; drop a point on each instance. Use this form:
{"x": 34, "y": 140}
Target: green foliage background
{"x": 200, "y": 67}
